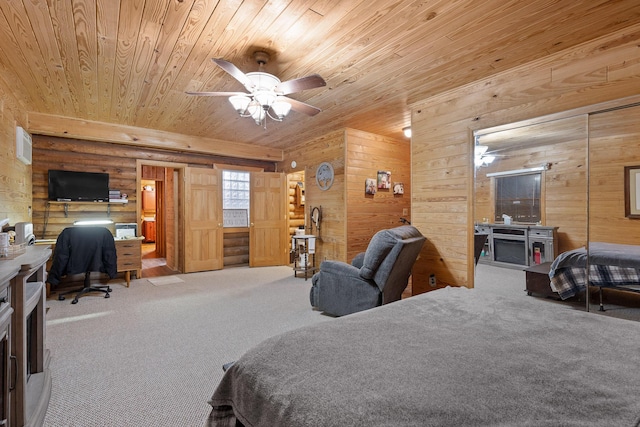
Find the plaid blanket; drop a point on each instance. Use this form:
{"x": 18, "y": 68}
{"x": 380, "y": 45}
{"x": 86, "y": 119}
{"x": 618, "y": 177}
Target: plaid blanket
{"x": 570, "y": 280}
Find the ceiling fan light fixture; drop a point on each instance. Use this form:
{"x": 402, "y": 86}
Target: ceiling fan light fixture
{"x": 263, "y": 81}
{"x": 487, "y": 160}
{"x": 481, "y": 149}
{"x": 240, "y": 103}
{"x": 256, "y": 111}
{"x": 281, "y": 108}
{"x": 267, "y": 94}
{"x": 265, "y": 97}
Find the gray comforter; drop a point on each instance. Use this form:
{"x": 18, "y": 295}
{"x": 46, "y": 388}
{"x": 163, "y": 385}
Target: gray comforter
{"x": 452, "y": 357}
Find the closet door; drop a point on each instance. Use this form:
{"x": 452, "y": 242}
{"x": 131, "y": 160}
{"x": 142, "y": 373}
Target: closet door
{"x": 268, "y": 232}
{"x": 203, "y": 237}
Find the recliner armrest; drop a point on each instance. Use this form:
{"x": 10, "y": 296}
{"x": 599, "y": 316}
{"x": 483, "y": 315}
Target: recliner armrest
{"x": 358, "y": 260}
{"x": 339, "y": 267}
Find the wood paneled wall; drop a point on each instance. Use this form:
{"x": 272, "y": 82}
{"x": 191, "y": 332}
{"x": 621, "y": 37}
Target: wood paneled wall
{"x": 442, "y": 145}
{"x": 614, "y": 142}
{"x": 328, "y": 148}
{"x": 349, "y": 217}
{"x": 564, "y": 186}
{"x": 366, "y": 154}
{"x": 119, "y": 161}
{"x": 15, "y": 176}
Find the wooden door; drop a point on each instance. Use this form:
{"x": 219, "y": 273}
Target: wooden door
{"x": 160, "y": 223}
{"x": 268, "y": 235}
{"x": 171, "y": 219}
{"x": 203, "y": 229}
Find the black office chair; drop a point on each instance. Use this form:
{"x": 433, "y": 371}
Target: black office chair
{"x": 83, "y": 249}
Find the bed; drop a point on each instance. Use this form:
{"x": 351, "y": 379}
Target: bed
{"x": 610, "y": 266}
{"x": 451, "y": 357}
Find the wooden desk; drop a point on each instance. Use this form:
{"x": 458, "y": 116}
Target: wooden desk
{"x": 129, "y": 253}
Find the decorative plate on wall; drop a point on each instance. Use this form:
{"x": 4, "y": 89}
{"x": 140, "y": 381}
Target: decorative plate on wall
{"x": 324, "y": 176}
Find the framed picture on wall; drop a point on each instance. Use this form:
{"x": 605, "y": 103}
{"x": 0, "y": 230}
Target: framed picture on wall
{"x": 398, "y": 188}
{"x": 370, "y": 186}
{"x": 632, "y": 191}
{"x": 384, "y": 179}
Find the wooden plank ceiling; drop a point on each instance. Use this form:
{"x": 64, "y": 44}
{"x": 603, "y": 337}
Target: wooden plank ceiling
{"x": 130, "y": 61}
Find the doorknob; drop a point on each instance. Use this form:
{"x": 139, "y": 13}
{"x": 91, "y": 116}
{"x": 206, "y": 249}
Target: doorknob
{"x": 252, "y": 224}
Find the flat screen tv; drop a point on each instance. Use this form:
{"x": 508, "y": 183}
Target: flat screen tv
{"x": 78, "y": 186}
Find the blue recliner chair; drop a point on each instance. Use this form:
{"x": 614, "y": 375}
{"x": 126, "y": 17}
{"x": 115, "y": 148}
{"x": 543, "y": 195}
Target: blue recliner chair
{"x": 375, "y": 277}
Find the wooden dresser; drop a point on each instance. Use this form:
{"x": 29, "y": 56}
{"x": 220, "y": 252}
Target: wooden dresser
{"x": 129, "y": 253}
{"x": 25, "y": 376}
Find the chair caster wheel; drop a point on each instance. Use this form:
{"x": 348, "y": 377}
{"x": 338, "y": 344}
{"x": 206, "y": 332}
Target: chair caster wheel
{"x": 60, "y": 298}
{"x": 107, "y": 295}
{"x": 75, "y": 301}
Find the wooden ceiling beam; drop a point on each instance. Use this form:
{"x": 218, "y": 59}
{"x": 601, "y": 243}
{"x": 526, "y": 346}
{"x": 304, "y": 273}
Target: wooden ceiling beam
{"x": 67, "y": 127}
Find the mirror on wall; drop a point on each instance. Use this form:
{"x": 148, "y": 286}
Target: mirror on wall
{"x": 614, "y": 205}
{"x": 531, "y": 187}
{"x": 547, "y": 189}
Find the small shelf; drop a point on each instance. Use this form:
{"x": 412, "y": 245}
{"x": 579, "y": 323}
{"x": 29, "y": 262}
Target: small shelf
{"x": 69, "y": 202}
{"x": 304, "y": 255}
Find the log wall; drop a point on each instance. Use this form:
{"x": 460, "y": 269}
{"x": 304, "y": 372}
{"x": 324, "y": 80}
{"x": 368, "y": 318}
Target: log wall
{"x": 119, "y": 161}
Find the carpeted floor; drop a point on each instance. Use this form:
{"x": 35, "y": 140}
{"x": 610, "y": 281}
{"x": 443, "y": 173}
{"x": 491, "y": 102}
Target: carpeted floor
{"x": 152, "y": 355}
{"x": 507, "y": 281}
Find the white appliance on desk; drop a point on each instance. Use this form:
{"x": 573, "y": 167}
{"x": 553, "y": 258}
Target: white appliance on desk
{"x": 126, "y": 230}
{"x": 24, "y": 233}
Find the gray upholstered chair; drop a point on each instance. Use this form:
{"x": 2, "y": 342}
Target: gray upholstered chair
{"x": 375, "y": 277}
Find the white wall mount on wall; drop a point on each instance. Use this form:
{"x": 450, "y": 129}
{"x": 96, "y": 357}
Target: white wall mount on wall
{"x": 23, "y": 145}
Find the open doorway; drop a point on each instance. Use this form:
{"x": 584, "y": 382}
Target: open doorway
{"x": 296, "y": 216}
{"x": 154, "y": 261}
{"x": 159, "y": 200}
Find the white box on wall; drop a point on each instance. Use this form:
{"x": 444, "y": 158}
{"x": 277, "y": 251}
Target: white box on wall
{"x": 23, "y": 145}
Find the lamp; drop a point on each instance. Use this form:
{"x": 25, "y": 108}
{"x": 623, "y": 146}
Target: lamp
{"x": 407, "y": 131}
{"x": 263, "y": 99}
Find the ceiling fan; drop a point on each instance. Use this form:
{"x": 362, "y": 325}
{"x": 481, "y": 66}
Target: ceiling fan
{"x": 484, "y": 156}
{"x": 267, "y": 94}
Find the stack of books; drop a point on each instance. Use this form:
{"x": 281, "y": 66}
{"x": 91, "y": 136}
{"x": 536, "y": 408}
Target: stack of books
{"x": 116, "y": 197}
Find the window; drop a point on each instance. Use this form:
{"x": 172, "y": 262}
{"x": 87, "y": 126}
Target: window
{"x": 519, "y": 197}
{"x": 235, "y": 198}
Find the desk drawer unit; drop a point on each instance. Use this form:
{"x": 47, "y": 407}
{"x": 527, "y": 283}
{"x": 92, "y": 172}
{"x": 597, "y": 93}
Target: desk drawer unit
{"x": 129, "y": 254}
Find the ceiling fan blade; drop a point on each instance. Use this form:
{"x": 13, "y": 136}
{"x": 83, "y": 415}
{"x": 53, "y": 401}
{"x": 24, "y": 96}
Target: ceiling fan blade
{"x": 234, "y": 72}
{"x": 216, "y": 93}
{"x": 303, "y": 83}
{"x": 301, "y": 107}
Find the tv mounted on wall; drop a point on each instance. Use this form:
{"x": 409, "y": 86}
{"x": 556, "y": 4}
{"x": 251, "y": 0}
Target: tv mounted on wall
{"x": 72, "y": 186}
